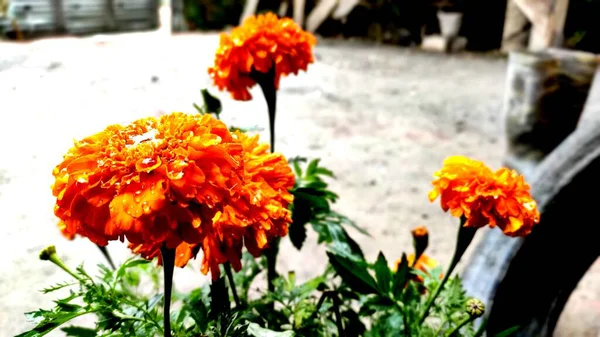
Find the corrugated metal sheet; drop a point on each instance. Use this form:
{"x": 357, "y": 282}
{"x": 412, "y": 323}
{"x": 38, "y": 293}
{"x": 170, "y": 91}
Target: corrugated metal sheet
{"x": 82, "y": 16}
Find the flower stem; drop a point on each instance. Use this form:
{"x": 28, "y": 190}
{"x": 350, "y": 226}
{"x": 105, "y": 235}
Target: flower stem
{"x": 336, "y": 310}
{"x": 227, "y": 267}
{"x": 266, "y": 81}
{"x": 168, "y": 257}
{"x": 338, "y": 316}
{"x": 104, "y": 251}
{"x": 465, "y": 236}
{"x": 49, "y": 254}
{"x": 464, "y": 322}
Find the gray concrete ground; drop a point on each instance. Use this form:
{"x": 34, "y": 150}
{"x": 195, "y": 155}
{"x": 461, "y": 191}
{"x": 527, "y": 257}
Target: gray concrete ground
{"x": 382, "y": 118}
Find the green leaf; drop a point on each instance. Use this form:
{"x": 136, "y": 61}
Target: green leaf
{"x": 312, "y": 167}
{"x": 256, "y": 330}
{"x": 297, "y": 233}
{"x": 56, "y": 287}
{"x": 199, "y": 109}
{"x": 296, "y": 165}
{"x": 376, "y": 304}
{"x": 355, "y": 275}
{"x": 508, "y": 332}
{"x": 130, "y": 264}
{"x": 383, "y": 274}
{"x": 77, "y": 331}
{"x": 211, "y": 103}
{"x": 323, "y": 171}
{"x": 400, "y": 278}
{"x": 51, "y": 322}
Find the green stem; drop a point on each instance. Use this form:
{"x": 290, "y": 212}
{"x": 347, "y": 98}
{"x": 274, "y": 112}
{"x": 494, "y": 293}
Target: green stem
{"x": 57, "y": 261}
{"x": 266, "y": 81}
{"x": 464, "y": 322}
{"x": 227, "y": 267}
{"x": 480, "y": 331}
{"x": 168, "y": 258}
{"x": 403, "y": 311}
{"x": 104, "y": 251}
{"x": 131, "y": 318}
{"x": 439, "y": 329}
{"x": 338, "y": 316}
{"x": 465, "y": 236}
{"x": 336, "y": 309}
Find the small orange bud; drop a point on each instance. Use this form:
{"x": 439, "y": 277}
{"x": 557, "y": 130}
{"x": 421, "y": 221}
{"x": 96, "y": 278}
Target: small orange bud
{"x": 420, "y": 240}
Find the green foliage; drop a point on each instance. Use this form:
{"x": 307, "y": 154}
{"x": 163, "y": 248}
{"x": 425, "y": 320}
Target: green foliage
{"x": 350, "y": 297}
{"x": 312, "y": 205}
{"x": 212, "y": 15}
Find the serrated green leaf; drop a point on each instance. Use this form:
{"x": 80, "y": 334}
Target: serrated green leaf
{"x": 376, "y": 304}
{"x": 51, "y": 322}
{"x": 357, "y": 277}
{"x": 130, "y": 264}
{"x": 400, "y": 278}
{"x": 57, "y": 287}
{"x": 383, "y": 274}
{"x": 153, "y": 301}
{"x": 77, "y": 331}
{"x": 256, "y": 330}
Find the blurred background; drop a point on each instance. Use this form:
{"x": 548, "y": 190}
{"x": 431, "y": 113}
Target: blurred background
{"x": 482, "y": 25}
{"x": 397, "y": 86}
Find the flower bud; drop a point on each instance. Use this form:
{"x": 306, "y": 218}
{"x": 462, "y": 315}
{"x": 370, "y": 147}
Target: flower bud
{"x": 475, "y": 307}
{"x": 47, "y": 253}
{"x": 420, "y": 236}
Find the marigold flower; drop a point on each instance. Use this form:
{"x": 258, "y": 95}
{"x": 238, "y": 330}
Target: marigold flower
{"x": 424, "y": 264}
{"x": 261, "y": 42}
{"x": 471, "y": 189}
{"x": 252, "y": 217}
{"x": 154, "y": 181}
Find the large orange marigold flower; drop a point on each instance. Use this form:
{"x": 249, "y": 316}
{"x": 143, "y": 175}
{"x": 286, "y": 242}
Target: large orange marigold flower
{"x": 261, "y": 42}
{"x": 471, "y": 189}
{"x": 154, "y": 181}
{"x": 252, "y": 217}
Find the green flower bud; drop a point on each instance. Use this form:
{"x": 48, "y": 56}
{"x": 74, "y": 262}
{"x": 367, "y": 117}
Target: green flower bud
{"x": 47, "y": 253}
{"x": 475, "y": 307}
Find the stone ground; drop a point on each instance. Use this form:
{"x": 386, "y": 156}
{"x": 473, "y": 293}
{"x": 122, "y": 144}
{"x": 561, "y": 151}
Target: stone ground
{"x": 382, "y": 118}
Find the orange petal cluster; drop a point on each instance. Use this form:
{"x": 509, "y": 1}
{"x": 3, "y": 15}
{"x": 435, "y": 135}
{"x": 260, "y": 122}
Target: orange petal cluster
{"x": 469, "y": 188}
{"x": 261, "y": 42}
{"x": 424, "y": 264}
{"x": 253, "y": 218}
{"x": 165, "y": 181}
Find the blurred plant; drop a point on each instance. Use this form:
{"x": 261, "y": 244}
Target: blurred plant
{"x": 212, "y": 15}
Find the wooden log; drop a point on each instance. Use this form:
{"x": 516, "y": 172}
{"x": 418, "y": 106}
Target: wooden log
{"x": 544, "y": 98}
{"x": 59, "y": 16}
{"x": 548, "y": 20}
{"x": 249, "y": 9}
{"x": 527, "y": 282}
{"x": 299, "y": 12}
{"x": 319, "y": 14}
{"x": 515, "y": 35}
